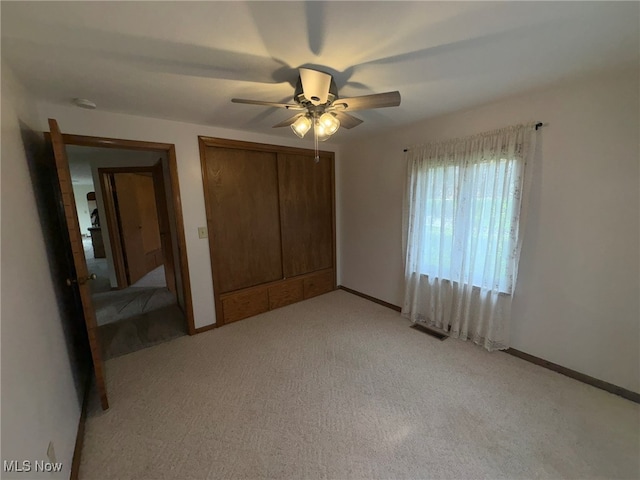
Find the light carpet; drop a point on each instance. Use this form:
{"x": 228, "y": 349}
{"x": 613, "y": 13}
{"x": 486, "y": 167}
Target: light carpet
{"x": 339, "y": 387}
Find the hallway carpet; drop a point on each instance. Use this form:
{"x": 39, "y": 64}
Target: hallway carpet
{"x": 142, "y": 331}
{"x": 339, "y": 387}
{"x": 130, "y": 302}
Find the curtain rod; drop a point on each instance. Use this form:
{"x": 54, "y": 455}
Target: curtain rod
{"x": 538, "y": 126}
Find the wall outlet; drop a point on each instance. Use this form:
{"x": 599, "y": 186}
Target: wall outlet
{"x": 202, "y": 232}
{"x": 51, "y": 453}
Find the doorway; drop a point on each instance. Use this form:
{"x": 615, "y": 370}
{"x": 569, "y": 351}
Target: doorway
{"x": 139, "y": 225}
{"x": 137, "y": 293}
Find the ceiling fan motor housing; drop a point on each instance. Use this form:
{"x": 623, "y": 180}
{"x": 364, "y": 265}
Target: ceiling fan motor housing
{"x": 299, "y": 97}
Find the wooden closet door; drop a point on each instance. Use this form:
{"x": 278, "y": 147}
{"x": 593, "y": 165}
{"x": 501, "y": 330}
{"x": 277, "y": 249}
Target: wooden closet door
{"x": 244, "y": 224}
{"x": 306, "y": 213}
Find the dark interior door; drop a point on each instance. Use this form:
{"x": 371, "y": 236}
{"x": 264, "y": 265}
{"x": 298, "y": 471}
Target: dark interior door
{"x": 82, "y": 275}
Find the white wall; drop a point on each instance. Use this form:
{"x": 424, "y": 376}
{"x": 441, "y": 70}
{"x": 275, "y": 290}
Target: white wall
{"x": 82, "y": 206}
{"x": 185, "y": 138}
{"x": 39, "y": 399}
{"x": 576, "y": 302}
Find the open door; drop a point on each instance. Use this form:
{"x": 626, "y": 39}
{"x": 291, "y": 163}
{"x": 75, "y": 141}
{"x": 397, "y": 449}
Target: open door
{"x": 165, "y": 226}
{"x": 136, "y": 220}
{"x": 79, "y": 261}
{"x": 127, "y": 189}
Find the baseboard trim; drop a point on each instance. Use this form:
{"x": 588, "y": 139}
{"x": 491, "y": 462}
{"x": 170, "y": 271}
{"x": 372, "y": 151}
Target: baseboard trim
{"x": 581, "y": 377}
{"x": 77, "y": 449}
{"x": 370, "y": 298}
{"x": 206, "y": 328}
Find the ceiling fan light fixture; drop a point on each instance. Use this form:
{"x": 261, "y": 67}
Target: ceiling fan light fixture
{"x": 329, "y": 123}
{"x": 316, "y": 95}
{"x": 301, "y": 126}
{"x": 321, "y": 132}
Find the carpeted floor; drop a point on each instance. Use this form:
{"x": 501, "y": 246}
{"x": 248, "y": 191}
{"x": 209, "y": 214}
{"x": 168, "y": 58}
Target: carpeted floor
{"x": 117, "y": 305}
{"x": 155, "y": 278}
{"x": 143, "y": 331}
{"x": 339, "y": 387}
{"x": 97, "y": 266}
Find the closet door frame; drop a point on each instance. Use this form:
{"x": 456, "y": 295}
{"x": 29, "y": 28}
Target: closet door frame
{"x": 204, "y": 142}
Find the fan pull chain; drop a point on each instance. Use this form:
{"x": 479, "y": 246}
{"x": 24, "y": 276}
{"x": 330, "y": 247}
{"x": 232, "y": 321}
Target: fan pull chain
{"x": 315, "y": 140}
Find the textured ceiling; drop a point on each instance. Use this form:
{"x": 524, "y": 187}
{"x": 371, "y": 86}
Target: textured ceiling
{"x": 186, "y": 60}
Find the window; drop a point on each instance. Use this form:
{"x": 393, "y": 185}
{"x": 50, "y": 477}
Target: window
{"x": 463, "y": 231}
{"x": 469, "y": 222}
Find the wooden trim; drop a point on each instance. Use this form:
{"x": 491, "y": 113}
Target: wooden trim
{"x": 370, "y": 298}
{"x": 206, "y": 328}
{"x": 170, "y": 149}
{"x": 182, "y": 241}
{"x": 333, "y": 225}
{"x": 147, "y": 169}
{"x": 88, "y": 141}
{"x": 77, "y": 450}
{"x": 114, "y": 229}
{"x": 261, "y": 147}
{"x": 581, "y": 377}
{"x": 202, "y": 144}
{"x": 164, "y": 225}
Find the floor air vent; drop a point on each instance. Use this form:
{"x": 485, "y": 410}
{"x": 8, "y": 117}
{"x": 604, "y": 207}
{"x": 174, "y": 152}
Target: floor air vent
{"x": 429, "y": 331}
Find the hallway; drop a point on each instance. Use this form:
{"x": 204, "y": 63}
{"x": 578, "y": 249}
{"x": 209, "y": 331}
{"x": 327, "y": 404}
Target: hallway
{"x": 139, "y": 316}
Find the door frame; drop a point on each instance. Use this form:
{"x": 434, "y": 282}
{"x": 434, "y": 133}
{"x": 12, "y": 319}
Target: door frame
{"x": 170, "y": 150}
{"x": 115, "y": 234}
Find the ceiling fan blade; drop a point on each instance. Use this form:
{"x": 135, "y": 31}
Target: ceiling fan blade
{"x": 288, "y": 121}
{"x": 288, "y": 106}
{"x": 315, "y": 85}
{"x": 346, "y": 120}
{"x": 365, "y": 102}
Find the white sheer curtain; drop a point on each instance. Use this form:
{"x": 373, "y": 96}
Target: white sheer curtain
{"x": 463, "y": 226}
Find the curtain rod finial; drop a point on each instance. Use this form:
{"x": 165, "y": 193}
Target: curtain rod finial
{"x": 538, "y": 125}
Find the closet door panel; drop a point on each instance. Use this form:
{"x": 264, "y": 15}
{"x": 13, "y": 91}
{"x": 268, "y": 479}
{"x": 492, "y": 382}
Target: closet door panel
{"x": 306, "y": 213}
{"x": 244, "y": 230}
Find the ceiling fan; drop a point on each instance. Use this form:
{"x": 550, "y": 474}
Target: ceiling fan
{"x": 316, "y": 97}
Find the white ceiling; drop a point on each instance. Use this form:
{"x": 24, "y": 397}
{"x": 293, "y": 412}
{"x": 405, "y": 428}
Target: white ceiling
{"x": 186, "y": 60}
